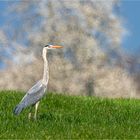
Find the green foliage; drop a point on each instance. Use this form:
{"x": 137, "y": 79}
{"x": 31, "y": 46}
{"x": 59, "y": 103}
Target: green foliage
{"x": 70, "y": 117}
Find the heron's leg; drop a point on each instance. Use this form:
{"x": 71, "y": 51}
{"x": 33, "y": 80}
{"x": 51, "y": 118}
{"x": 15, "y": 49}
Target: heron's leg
{"x": 36, "y": 107}
{"x": 30, "y": 113}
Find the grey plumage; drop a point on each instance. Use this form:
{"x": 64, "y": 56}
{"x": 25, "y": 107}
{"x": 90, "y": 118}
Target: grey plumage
{"x": 31, "y": 97}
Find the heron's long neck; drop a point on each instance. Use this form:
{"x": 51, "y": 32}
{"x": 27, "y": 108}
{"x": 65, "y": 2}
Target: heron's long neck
{"x": 46, "y": 68}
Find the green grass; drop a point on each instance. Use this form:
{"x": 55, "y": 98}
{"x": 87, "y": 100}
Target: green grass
{"x": 70, "y": 117}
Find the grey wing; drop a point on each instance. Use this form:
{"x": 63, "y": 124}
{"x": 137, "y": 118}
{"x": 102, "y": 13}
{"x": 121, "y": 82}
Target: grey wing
{"x": 34, "y": 94}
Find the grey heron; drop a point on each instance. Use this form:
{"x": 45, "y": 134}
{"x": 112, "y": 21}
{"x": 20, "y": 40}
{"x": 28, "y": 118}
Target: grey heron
{"x": 35, "y": 94}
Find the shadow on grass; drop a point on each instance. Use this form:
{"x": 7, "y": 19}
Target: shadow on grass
{"x": 47, "y": 116}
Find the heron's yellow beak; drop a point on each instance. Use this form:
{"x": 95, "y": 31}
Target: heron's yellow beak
{"x": 57, "y": 47}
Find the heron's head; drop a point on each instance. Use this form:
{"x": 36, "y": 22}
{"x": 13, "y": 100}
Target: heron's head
{"x": 52, "y": 47}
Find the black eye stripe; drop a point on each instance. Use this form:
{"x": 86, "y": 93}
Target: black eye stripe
{"x": 48, "y": 45}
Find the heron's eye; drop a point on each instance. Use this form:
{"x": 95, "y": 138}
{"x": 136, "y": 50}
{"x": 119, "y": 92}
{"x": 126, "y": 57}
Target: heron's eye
{"x": 47, "y": 45}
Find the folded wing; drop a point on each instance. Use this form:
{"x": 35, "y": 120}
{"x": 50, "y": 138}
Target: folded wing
{"x": 31, "y": 97}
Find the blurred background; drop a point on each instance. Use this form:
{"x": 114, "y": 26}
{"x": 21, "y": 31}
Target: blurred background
{"x": 101, "y": 46}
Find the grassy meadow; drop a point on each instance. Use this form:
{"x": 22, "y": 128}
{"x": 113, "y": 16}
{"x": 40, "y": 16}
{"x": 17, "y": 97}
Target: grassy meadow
{"x": 70, "y": 117}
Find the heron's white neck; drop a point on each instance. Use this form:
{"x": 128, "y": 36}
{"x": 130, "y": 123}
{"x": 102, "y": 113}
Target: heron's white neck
{"x": 46, "y": 68}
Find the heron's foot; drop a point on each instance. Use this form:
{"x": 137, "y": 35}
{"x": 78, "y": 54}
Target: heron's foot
{"x": 35, "y": 117}
{"x": 29, "y": 116}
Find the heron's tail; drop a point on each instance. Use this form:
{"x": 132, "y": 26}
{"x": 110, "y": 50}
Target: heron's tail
{"x": 18, "y": 109}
